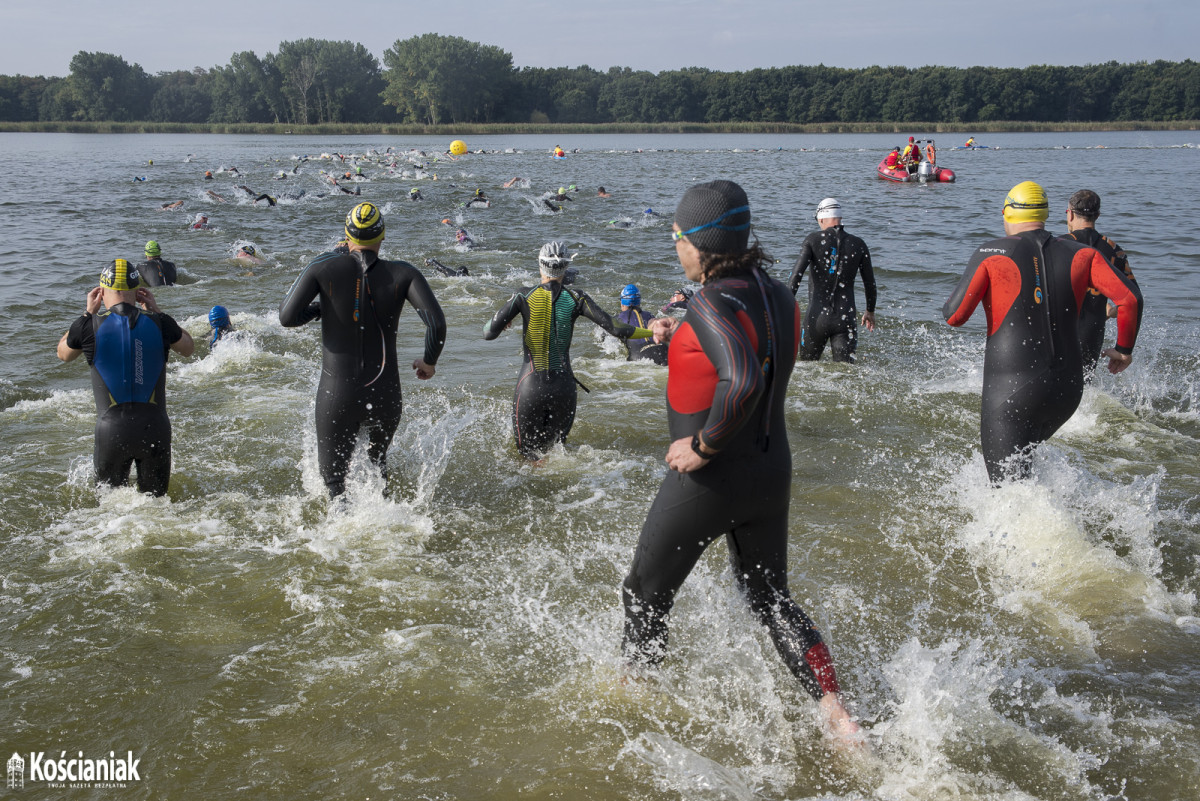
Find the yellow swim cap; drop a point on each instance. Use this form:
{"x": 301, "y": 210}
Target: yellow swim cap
{"x": 364, "y": 225}
{"x": 1026, "y": 202}
{"x": 120, "y": 275}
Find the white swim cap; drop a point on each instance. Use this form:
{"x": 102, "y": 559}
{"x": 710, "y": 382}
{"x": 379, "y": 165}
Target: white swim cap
{"x": 554, "y": 259}
{"x": 829, "y": 209}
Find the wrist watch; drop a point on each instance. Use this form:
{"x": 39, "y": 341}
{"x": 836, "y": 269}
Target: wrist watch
{"x": 696, "y": 447}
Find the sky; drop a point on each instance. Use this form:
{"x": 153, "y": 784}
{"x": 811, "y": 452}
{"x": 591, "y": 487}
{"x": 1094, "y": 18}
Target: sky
{"x": 655, "y": 35}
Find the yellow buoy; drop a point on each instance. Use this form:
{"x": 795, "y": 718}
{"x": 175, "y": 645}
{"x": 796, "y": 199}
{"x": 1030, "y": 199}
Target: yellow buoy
{"x": 458, "y": 147}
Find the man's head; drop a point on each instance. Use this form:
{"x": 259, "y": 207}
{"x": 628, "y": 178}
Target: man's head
{"x": 829, "y": 213}
{"x": 1083, "y": 208}
{"x": 120, "y": 281}
{"x": 631, "y": 296}
{"x": 714, "y": 217}
{"x": 153, "y": 251}
{"x": 1025, "y": 207}
{"x": 553, "y": 260}
{"x": 364, "y": 226}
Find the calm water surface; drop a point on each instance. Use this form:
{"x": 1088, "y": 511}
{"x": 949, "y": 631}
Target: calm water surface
{"x": 460, "y": 640}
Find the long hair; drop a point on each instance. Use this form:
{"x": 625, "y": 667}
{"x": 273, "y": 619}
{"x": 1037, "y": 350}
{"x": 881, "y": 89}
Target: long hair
{"x": 715, "y": 266}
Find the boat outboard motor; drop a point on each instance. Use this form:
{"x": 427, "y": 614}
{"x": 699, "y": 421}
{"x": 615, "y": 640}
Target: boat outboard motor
{"x": 925, "y": 172}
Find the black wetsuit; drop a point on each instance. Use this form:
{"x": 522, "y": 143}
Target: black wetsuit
{"x": 728, "y": 376}
{"x": 157, "y": 272}
{"x": 546, "y": 394}
{"x": 359, "y": 300}
{"x": 1093, "y": 313}
{"x": 836, "y": 257}
{"x": 127, "y": 350}
{"x": 450, "y": 272}
{"x": 642, "y": 348}
{"x": 1032, "y": 366}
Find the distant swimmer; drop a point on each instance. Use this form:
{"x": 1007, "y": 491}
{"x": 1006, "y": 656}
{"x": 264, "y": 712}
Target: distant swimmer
{"x": 208, "y": 175}
{"x": 178, "y": 204}
{"x": 632, "y": 314}
{"x": 562, "y": 195}
{"x": 358, "y": 298}
{"x": 1031, "y": 285}
{"x": 127, "y": 350}
{"x": 155, "y": 270}
{"x": 451, "y": 272}
{"x": 415, "y": 194}
{"x": 218, "y": 321}
{"x": 836, "y": 257}
{"x": 678, "y": 300}
{"x": 546, "y": 395}
{"x": 651, "y": 213}
{"x": 201, "y": 223}
{"x": 548, "y": 204}
{"x": 248, "y": 254}
{"x": 478, "y": 199}
{"x": 264, "y": 196}
{"x": 601, "y": 192}
{"x": 511, "y": 182}
{"x": 463, "y": 238}
{"x": 214, "y": 196}
{"x": 1082, "y": 210}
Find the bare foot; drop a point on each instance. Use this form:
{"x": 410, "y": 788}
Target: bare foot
{"x": 843, "y": 729}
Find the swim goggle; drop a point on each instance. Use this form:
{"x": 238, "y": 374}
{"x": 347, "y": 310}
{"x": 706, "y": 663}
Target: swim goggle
{"x": 677, "y": 235}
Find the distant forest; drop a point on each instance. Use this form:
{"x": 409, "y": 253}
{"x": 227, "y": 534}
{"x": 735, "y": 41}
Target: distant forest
{"x": 433, "y": 80}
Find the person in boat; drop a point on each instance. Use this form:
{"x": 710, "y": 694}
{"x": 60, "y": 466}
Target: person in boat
{"x": 892, "y": 162}
{"x": 970, "y": 142}
{"x": 730, "y": 476}
{"x": 1031, "y": 285}
{"x": 911, "y": 156}
{"x": 559, "y": 152}
{"x": 1083, "y": 208}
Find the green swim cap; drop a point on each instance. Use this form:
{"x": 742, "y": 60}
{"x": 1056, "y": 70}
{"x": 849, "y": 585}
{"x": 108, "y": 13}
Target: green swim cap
{"x": 152, "y": 249}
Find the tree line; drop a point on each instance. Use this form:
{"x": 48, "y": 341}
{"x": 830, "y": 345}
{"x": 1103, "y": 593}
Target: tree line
{"x": 433, "y": 79}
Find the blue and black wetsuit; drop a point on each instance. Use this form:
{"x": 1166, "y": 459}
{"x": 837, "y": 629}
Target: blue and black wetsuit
{"x": 1093, "y": 313}
{"x": 127, "y": 350}
{"x": 836, "y": 257}
{"x": 1031, "y": 286}
{"x": 359, "y": 298}
{"x": 157, "y": 272}
{"x": 729, "y": 365}
{"x": 546, "y": 394}
{"x": 642, "y": 348}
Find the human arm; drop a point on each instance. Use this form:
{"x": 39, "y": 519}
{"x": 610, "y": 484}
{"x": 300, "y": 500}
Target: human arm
{"x": 971, "y": 290}
{"x": 739, "y": 382}
{"x": 421, "y": 296}
{"x": 70, "y": 346}
{"x": 869, "y": 289}
{"x": 503, "y": 317}
{"x": 297, "y": 306}
{"x": 589, "y": 309}
{"x": 806, "y": 257}
{"x": 1122, "y": 292}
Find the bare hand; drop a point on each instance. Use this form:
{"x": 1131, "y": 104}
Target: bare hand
{"x": 424, "y": 371}
{"x": 663, "y": 328}
{"x": 95, "y": 299}
{"x": 1117, "y": 361}
{"x": 868, "y": 319}
{"x": 146, "y": 298}
{"x": 682, "y": 459}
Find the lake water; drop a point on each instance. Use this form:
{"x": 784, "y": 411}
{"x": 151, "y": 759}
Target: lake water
{"x": 460, "y": 640}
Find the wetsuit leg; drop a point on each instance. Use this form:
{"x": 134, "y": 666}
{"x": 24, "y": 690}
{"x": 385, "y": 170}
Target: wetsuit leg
{"x": 128, "y": 435}
{"x": 813, "y": 336}
{"x": 543, "y": 410}
{"x": 383, "y": 418}
{"x": 1012, "y": 424}
{"x": 843, "y": 344}
{"x": 748, "y": 503}
{"x": 337, "y": 431}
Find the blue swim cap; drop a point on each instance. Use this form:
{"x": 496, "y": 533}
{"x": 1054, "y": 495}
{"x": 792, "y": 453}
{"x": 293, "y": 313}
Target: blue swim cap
{"x": 630, "y": 296}
{"x": 218, "y": 317}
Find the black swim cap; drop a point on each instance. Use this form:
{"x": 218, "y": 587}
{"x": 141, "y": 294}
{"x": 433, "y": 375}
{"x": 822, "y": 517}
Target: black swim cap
{"x": 715, "y": 217}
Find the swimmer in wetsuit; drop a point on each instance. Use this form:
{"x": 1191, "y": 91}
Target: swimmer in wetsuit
{"x": 127, "y": 350}
{"x": 358, "y": 299}
{"x": 1082, "y": 210}
{"x": 731, "y": 466}
{"x": 836, "y": 257}
{"x": 1031, "y": 286}
{"x": 449, "y": 272}
{"x": 545, "y": 398}
{"x": 155, "y": 270}
{"x": 632, "y": 314}
{"x": 218, "y": 321}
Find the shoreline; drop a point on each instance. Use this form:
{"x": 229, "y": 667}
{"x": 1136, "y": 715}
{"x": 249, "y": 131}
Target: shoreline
{"x": 485, "y": 129}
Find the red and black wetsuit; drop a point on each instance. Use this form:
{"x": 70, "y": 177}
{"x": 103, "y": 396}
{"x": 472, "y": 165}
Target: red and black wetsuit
{"x": 546, "y": 393}
{"x": 359, "y": 299}
{"x": 1031, "y": 286}
{"x": 1093, "y": 314}
{"x": 730, "y": 361}
{"x": 836, "y": 257}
